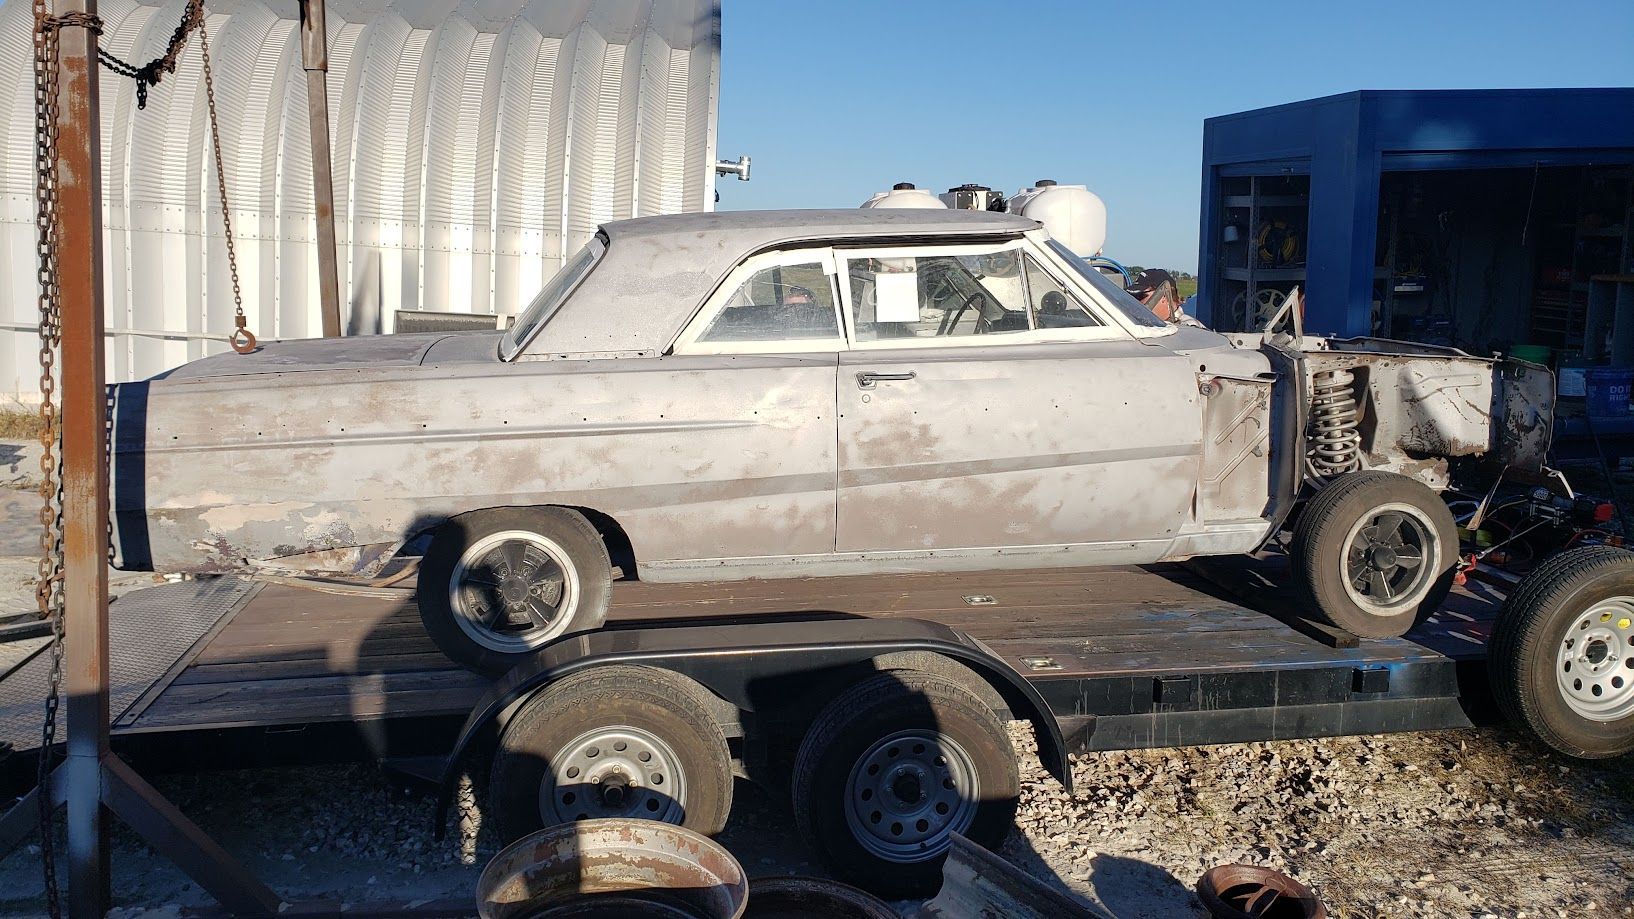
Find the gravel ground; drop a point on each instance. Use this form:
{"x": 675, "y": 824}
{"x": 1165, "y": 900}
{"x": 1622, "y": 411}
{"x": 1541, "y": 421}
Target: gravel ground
{"x": 1463, "y": 824}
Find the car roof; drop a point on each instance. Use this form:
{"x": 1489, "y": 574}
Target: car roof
{"x": 768, "y": 227}
{"x": 657, "y": 271}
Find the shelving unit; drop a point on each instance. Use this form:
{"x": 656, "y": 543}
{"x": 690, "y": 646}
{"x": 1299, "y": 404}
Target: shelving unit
{"x": 1248, "y": 203}
{"x": 1584, "y": 299}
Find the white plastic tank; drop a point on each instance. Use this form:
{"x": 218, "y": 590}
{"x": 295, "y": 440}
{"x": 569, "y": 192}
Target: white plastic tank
{"x": 1071, "y": 213}
{"x": 903, "y": 194}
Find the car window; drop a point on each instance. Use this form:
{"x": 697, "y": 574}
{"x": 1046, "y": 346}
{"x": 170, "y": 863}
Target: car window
{"x": 1054, "y": 307}
{"x": 1132, "y": 309}
{"x": 937, "y": 296}
{"x": 780, "y": 303}
{"x": 551, "y": 298}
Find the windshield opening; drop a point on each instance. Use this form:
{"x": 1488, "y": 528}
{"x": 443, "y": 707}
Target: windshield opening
{"x": 551, "y": 297}
{"x": 1121, "y": 299}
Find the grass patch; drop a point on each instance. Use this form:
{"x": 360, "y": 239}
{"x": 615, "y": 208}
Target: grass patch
{"x": 19, "y": 423}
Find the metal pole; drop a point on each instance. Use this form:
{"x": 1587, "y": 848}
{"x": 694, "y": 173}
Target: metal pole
{"x": 84, "y": 465}
{"x": 315, "y": 60}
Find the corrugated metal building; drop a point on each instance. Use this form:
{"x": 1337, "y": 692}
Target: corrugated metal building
{"x": 475, "y": 144}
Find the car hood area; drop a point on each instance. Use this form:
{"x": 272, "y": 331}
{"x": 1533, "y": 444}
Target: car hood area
{"x": 358, "y": 353}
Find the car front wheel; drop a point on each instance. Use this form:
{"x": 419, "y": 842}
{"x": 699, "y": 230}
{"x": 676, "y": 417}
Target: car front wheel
{"x": 497, "y": 585}
{"x": 1375, "y": 553}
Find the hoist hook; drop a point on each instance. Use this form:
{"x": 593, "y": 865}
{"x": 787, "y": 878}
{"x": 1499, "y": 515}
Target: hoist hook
{"x": 242, "y": 340}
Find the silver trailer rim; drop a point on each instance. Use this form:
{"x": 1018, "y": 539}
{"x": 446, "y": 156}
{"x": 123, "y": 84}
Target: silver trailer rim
{"x": 1390, "y": 559}
{"x": 513, "y": 573}
{"x": 1595, "y": 667}
{"x": 908, "y": 792}
{"x": 614, "y": 771}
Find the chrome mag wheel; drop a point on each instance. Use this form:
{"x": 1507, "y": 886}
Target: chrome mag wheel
{"x": 513, "y": 591}
{"x": 1390, "y": 559}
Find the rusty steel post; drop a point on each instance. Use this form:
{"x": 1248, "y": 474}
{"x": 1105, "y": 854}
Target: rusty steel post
{"x": 84, "y": 464}
{"x": 315, "y": 60}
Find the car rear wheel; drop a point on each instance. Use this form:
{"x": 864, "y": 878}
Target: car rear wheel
{"x": 497, "y": 585}
{"x": 1375, "y": 552}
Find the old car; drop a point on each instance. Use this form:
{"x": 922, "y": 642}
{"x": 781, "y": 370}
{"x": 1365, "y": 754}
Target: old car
{"x": 805, "y": 393}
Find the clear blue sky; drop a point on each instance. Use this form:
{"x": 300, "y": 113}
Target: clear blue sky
{"x": 838, "y": 100}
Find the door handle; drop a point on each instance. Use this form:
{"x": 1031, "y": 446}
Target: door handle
{"x": 866, "y": 379}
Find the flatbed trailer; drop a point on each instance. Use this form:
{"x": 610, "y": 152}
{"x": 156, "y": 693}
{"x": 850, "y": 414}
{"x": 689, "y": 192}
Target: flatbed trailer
{"x": 1129, "y": 657}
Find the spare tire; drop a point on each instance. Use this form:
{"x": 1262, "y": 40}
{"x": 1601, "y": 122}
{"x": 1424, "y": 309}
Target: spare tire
{"x": 1561, "y": 658}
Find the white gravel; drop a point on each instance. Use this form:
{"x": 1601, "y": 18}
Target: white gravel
{"x": 1467, "y": 824}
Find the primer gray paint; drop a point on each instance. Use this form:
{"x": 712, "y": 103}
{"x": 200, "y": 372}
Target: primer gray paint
{"x": 329, "y": 455}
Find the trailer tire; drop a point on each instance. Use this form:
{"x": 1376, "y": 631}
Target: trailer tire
{"x": 638, "y": 731}
{"x": 1561, "y": 659}
{"x": 862, "y": 773}
{"x": 1351, "y": 546}
{"x": 565, "y": 572}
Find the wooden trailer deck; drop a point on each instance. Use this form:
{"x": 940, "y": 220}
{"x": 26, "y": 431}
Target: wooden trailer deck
{"x": 1159, "y": 654}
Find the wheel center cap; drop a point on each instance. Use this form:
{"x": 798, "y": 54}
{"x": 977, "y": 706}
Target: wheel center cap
{"x": 1383, "y": 557}
{"x": 514, "y": 590}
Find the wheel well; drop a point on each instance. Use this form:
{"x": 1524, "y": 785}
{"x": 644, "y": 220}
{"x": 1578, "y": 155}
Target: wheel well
{"x": 620, "y": 551}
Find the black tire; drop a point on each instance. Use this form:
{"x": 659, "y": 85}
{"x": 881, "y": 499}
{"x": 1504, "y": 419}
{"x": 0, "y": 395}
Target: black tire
{"x": 805, "y": 897}
{"x": 842, "y": 740}
{"x": 558, "y": 531}
{"x": 1528, "y": 645}
{"x": 582, "y": 718}
{"x": 1335, "y": 521}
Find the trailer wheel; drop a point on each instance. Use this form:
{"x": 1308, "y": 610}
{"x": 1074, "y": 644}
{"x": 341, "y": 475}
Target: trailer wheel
{"x": 891, "y": 768}
{"x": 1375, "y": 552}
{"x": 498, "y": 584}
{"x": 1562, "y": 653}
{"x": 614, "y": 741}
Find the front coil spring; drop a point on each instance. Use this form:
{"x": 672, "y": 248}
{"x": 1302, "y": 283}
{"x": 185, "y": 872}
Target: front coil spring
{"x": 1334, "y": 445}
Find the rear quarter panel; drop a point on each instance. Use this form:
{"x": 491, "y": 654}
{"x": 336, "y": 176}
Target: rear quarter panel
{"x": 695, "y": 457}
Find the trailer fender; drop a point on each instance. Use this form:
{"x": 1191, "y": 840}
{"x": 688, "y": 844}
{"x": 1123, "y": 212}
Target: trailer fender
{"x": 747, "y": 662}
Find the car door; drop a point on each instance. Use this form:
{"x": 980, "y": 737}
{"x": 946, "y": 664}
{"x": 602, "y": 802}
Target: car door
{"x": 984, "y": 403}
{"x": 757, "y": 366}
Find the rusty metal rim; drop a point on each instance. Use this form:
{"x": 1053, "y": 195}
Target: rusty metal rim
{"x": 473, "y": 623}
{"x": 1596, "y": 661}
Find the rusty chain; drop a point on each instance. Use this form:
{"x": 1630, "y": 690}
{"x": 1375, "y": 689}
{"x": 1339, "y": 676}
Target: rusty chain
{"x": 149, "y": 74}
{"x": 48, "y": 588}
{"x": 241, "y": 340}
